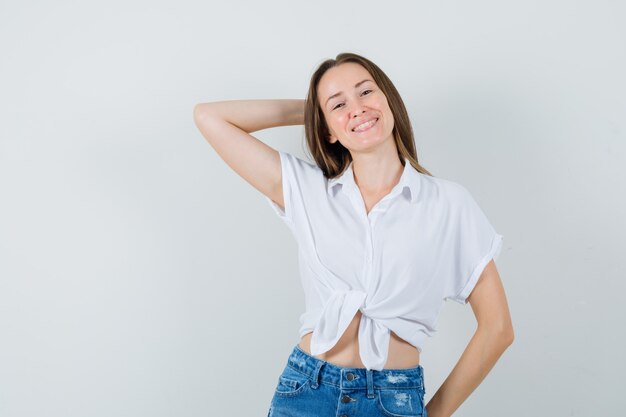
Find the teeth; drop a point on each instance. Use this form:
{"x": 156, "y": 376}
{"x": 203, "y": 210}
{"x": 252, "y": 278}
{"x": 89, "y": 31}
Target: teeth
{"x": 365, "y": 125}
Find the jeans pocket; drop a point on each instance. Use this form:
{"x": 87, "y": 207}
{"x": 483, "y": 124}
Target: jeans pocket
{"x": 401, "y": 402}
{"x": 291, "y": 383}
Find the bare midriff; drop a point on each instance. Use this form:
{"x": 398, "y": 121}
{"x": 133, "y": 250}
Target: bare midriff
{"x": 346, "y": 352}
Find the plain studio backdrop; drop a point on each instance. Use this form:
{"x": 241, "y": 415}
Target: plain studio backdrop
{"x": 141, "y": 276}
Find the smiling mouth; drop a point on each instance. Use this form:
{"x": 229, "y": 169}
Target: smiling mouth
{"x": 366, "y": 126}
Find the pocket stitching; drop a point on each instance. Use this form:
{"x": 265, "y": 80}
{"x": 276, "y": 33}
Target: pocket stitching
{"x": 293, "y": 393}
{"x": 286, "y": 380}
{"x": 390, "y": 414}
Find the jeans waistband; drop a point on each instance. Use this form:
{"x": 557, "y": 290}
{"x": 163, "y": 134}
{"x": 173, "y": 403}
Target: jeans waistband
{"x": 354, "y": 378}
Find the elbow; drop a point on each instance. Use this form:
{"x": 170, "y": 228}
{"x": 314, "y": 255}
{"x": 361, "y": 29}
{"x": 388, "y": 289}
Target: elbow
{"x": 202, "y": 111}
{"x": 199, "y": 110}
{"x": 503, "y": 338}
{"x": 508, "y": 336}
{"x": 204, "y": 117}
{"x": 502, "y": 334}
{"x": 506, "y": 333}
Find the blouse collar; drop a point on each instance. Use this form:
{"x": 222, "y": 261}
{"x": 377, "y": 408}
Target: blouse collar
{"x": 408, "y": 180}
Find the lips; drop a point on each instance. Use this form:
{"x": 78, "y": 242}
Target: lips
{"x": 365, "y": 122}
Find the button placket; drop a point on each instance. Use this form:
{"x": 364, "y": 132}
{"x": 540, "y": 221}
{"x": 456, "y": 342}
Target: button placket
{"x": 346, "y": 407}
{"x": 370, "y": 246}
{"x": 369, "y": 256}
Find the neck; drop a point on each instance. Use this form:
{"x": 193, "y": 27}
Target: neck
{"x": 376, "y": 173}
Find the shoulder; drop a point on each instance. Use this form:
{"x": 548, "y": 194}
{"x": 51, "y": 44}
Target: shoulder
{"x": 444, "y": 191}
{"x": 297, "y": 162}
{"x": 299, "y": 170}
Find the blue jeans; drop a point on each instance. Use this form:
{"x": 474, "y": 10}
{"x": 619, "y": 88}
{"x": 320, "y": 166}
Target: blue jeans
{"x": 311, "y": 387}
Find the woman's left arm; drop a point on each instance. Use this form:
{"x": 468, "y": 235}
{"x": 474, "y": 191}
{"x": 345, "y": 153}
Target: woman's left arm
{"x": 493, "y": 336}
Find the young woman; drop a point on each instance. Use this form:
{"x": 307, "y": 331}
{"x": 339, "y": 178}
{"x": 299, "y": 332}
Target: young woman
{"x": 382, "y": 244}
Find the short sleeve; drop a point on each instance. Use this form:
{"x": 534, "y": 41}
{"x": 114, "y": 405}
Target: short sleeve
{"x": 288, "y": 178}
{"x": 476, "y": 242}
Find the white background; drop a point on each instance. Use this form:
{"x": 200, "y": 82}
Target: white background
{"x": 140, "y": 276}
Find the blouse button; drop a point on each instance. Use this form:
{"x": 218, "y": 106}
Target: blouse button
{"x": 350, "y": 376}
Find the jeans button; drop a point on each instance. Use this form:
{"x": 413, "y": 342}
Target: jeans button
{"x": 350, "y": 376}
{"x": 345, "y": 399}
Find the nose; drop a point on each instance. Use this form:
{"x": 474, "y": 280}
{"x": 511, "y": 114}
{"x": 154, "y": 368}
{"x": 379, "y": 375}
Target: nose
{"x": 358, "y": 110}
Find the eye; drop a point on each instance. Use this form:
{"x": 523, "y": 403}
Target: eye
{"x": 365, "y": 91}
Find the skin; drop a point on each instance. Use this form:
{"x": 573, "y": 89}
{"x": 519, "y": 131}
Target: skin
{"x": 377, "y": 169}
{"x": 493, "y": 335}
{"x": 226, "y": 126}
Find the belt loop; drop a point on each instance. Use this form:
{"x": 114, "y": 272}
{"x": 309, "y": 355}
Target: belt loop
{"x": 316, "y": 374}
{"x": 370, "y": 383}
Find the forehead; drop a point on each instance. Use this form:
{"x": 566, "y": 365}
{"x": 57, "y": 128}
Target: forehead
{"x": 341, "y": 78}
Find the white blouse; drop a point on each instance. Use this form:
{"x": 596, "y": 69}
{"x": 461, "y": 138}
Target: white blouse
{"x": 424, "y": 242}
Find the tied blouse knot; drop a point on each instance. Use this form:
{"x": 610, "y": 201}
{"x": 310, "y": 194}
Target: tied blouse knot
{"x": 424, "y": 242}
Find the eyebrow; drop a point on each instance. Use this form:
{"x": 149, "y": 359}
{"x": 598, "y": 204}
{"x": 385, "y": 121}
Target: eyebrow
{"x": 341, "y": 92}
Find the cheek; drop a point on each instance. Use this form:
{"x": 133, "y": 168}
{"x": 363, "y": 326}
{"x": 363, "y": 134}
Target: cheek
{"x": 389, "y": 114}
{"x": 338, "y": 121}
{"x": 344, "y": 118}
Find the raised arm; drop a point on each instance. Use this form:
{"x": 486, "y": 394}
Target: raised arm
{"x": 226, "y": 125}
